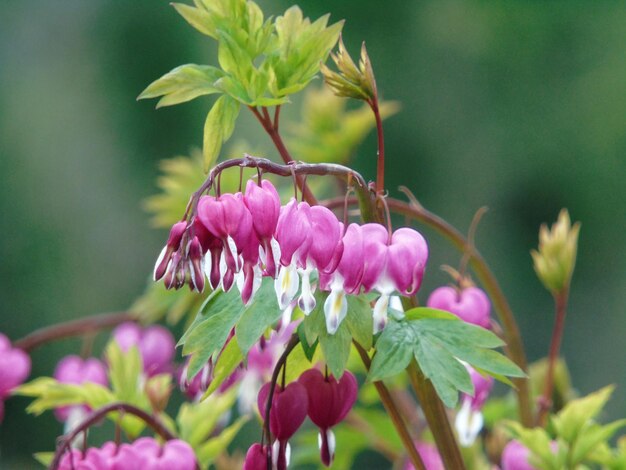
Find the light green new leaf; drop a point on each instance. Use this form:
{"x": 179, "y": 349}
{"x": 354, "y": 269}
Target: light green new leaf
{"x": 208, "y": 452}
{"x": 183, "y": 84}
{"x": 593, "y": 436}
{"x": 196, "y": 421}
{"x": 577, "y": 413}
{"x": 199, "y": 18}
{"x": 218, "y": 128}
{"x": 44, "y": 458}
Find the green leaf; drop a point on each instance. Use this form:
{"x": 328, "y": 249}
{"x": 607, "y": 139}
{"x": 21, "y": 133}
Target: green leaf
{"x": 577, "y": 413}
{"x": 336, "y": 349}
{"x": 438, "y": 341}
{"x": 228, "y": 360}
{"x": 44, "y": 458}
{"x": 218, "y": 128}
{"x": 197, "y": 421}
{"x": 593, "y": 436}
{"x": 215, "y": 446}
{"x": 262, "y": 313}
{"x": 309, "y": 350}
{"x": 359, "y": 320}
{"x": 183, "y": 84}
{"x": 538, "y": 442}
{"x": 394, "y": 351}
{"x": 200, "y": 19}
{"x": 298, "y": 363}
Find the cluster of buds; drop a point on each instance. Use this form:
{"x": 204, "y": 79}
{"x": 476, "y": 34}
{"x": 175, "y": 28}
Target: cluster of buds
{"x": 145, "y": 452}
{"x": 323, "y": 398}
{"x": 14, "y": 369}
{"x": 239, "y": 238}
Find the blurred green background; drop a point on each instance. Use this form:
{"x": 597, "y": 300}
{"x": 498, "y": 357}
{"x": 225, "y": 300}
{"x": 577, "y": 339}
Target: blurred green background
{"x": 517, "y": 105}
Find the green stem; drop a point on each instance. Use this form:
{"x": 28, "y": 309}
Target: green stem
{"x": 437, "y": 418}
{"x": 394, "y": 414}
{"x": 545, "y": 402}
{"x": 380, "y": 163}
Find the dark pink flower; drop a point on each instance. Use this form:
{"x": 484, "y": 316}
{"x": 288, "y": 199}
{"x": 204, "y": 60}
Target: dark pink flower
{"x": 408, "y": 254}
{"x": 470, "y": 304}
{"x": 14, "y": 369}
{"x": 430, "y": 456}
{"x": 288, "y": 412}
{"x": 515, "y": 457}
{"x": 263, "y": 203}
{"x": 172, "y": 245}
{"x": 173, "y": 454}
{"x": 256, "y": 458}
{"x": 330, "y": 400}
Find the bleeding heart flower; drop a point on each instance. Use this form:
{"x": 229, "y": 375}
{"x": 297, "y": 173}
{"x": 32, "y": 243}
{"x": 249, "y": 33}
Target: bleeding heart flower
{"x": 156, "y": 345}
{"x": 330, "y": 400}
{"x": 470, "y": 304}
{"x": 75, "y": 370}
{"x": 172, "y": 245}
{"x": 172, "y": 454}
{"x": 469, "y": 419}
{"x": 515, "y": 457}
{"x": 256, "y": 458}
{"x": 408, "y": 253}
{"x": 287, "y": 413}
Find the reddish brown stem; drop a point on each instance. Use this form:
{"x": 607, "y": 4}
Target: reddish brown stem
{"x": 272, "y": 131}
{"x": 97, "y": 415}
{"x": 82, "y": 326}
{"x": 396, "y": 418}
{"x": 545, "y": 402}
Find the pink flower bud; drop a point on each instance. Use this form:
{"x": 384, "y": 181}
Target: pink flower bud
{"x": 155, "y": 343}
{"x": 75, "y": 370}
{"x": 515, "y": 457}
{"x": 329, "y": 403}
{"x": 173, "y": 243}
{"x": 256, "y": 458}
{"x": 14, "y": 366}
{"x": 470, "y": 304}
{"x": 293, "y": 231}
{"x": 196, "y": 268}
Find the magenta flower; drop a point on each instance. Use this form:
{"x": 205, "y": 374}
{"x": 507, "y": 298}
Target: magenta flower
{"x": 345, "y": 279}
{"x": 470, "y": 304}
{"x": 74, "y": 370}
{"x": 469, "y": 419}
{"x": 430, "y": 456}
{"x": 515, "y": 457}
{"x": 172, "y": 454}
{"x": 287, "y": 413}
{"x": 263, "y": 203}
{"x": 323, "y": 253}
{"x": 293, "y": 234}
{"x": 109, "y": 456}
{"x": 256, "y": 458}
{"x": 155, "y": 343}
{"x": 408, "y": 254}
{"x": 14, "y": 369}
{"x": 330, "y": 400}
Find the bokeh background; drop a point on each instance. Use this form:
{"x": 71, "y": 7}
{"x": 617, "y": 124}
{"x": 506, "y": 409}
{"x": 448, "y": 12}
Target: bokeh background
{"x": 517, "y": 105}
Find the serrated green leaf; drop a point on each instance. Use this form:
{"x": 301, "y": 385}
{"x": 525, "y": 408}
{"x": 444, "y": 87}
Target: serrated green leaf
{"x": 573, "y": 417}
{"x": 262, "y": 313}
{"x": 228, "y": 360}
{"x": 196, "y": 421}
{"x": 218, "y": 128}
{"x": 394, "y": 351}
{"x": 183, "y": 83}
{"x": 593, "y": 436}
{"x": 360, "y": 321}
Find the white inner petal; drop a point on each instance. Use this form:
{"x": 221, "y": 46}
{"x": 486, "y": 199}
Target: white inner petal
{"x": 468, "y": 424}
{"x": 335, "y": 309}
{"x": 380, "y": 313}
{"x": 286, "y": 285}
{"x": 306, "y": 301}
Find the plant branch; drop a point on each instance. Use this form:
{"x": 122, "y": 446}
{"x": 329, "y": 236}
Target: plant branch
{"x": 545, "y": 402}
{"x": 97, "y": 415}
{"x": 437, "y": 418}
{"x": 82, "y": 326}
{"x": 293, "y": 342}
{"x": 394, "y": 414}
{"x": 272, "y": 131}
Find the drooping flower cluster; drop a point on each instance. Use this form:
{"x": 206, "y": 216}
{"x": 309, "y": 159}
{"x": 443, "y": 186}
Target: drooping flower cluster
{"x": 14, "y": 368}
{"x": 324, "y": 399}
{"x": 238, "y": 238}
{"x": 145, "y": 452}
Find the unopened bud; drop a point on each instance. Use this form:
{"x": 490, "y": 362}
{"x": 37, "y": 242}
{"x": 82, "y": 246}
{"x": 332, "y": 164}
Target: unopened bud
{"x": 555, "y": 260}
